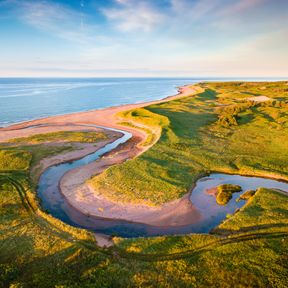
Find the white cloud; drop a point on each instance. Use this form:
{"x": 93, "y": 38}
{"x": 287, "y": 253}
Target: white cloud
{"x": 133, "y": 15}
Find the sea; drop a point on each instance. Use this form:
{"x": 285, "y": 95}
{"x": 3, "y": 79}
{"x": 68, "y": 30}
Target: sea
{"x": 23, "y": 99}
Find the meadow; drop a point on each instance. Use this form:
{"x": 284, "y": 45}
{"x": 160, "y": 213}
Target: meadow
{"x": 249, "y": 249}
{"x": 218, "y": 129}
{"x": 63, "y": 136}
{"x": 39, "y": 251}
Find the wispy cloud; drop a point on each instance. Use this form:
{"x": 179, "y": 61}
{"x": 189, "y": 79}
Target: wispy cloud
{"x": 134, "y": 15}
{"x": 52, "y": 17}
{"x": 149, "y": 35}
{"x": 240, "y": 6}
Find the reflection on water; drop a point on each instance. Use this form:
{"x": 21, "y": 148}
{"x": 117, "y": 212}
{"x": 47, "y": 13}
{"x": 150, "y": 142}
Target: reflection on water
{"x": 212, "y": 213}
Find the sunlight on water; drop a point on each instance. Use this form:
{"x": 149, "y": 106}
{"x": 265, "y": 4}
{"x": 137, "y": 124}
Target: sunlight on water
{"x": 27, "y": 99}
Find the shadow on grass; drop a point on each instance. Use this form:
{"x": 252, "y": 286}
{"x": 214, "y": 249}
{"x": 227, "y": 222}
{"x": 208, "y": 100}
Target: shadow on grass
{"x": 226, "y": 232}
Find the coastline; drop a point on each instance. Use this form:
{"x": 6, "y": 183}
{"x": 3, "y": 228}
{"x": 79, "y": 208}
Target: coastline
{"x": 178, "y": 212}
{"x": 81, "y": 150}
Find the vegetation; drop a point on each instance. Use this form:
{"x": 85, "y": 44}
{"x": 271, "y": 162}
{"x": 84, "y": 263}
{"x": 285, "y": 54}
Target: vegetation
{"x": 194, "y": 142}
{"x": 63, "y": 136}
{"x": 225, "y": 191}
{"x": 25, "y": 152}
{"x": 14, "y": 160}
{"x": 247, "y": 195}
{"x": 40, "y": 251}
{"x": 247, "y": 250}
{"x": 152, "y": 124}
{"x": 266, "y": 208}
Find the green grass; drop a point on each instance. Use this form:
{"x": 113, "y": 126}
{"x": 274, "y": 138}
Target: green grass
{"x": 225, "y": 191}
{"x": 253, "y": 255}
{"x": 14, "y": 160}
{"x": 195, "y": 142}
{"x": 64, "y": 136}
{"x": 247, "y": 250}
{"x": 40, "y": 251}
{"x": 26, "y": 152}
{"x": 247, "y": 195}
{"x": 266, "y": 208}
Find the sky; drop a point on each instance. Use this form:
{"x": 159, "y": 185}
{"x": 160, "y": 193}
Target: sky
{"x": 144, "y": 38}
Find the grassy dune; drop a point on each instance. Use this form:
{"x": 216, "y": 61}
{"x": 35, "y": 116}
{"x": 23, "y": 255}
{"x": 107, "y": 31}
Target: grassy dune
{"x": 219, "y": 129}
{"x": 14, "y": 160}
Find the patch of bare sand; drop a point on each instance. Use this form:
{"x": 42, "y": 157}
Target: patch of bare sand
{"x": 104, "y": 240}
{"x": 259, "y": 98}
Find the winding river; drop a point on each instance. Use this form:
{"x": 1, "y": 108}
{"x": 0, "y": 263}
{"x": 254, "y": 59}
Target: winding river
{"x": 212, "y": 214}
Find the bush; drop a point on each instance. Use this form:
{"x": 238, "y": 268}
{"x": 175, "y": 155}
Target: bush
{"x": 14, "y": 160}
{"x": 247, "y": 194}
{"x": 225, "y": 192}
{"x": 229, "y": 188}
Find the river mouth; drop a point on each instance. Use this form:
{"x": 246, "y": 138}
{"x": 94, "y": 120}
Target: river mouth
{"x": 201, "y": 197}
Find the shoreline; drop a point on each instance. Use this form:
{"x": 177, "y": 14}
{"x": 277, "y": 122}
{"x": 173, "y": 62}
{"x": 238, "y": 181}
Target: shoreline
{"x": 166, "y": 215}
{"x": 14, "y": 126}
{"x": 84, "y": 200}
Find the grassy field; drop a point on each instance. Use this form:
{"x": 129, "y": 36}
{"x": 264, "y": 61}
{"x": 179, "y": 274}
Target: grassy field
{"x": 219, "y": 129}
{"x": 63, "y": 136}
{"x": 40, "y": 251}
{"x": 249, "y": 249}
{"x": 25, "y": 152}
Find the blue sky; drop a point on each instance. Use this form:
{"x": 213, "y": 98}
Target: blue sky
{"x": 124, "y": 38}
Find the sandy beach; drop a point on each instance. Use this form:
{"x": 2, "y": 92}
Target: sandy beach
{"x": 84, "y": 198}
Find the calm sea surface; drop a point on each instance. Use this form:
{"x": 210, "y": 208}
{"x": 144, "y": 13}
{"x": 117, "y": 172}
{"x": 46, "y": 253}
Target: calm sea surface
{"x": 30, "y": 98}
{"x": 27, "y": 99}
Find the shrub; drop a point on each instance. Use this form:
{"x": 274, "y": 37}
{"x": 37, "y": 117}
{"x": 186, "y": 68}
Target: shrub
{"x": 225, "y": 192}
{"x": 229, "y": 188}
{"x": 14, "y": 160}
{"x": 247, "y": 194}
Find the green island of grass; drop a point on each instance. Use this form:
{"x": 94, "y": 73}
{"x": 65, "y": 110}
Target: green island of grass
{"x": 247, "y": 250}
{"x": 225, "y": 191}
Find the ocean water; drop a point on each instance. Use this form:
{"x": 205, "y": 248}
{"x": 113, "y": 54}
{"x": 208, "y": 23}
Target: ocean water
{"x": 27, "y": 99}
{"x": 23, "y": 99}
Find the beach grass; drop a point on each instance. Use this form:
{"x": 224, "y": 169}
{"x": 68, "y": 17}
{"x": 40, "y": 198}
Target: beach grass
{"x": 38, "y": 250}
{"x": 195, "y": 140}
{"x": 224, "y": 193}
{"x": 26, "y": 152}
{"x": 63, "y": 136}
{"x": 249, "y": 249}
{"x": 254, "y": 254}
